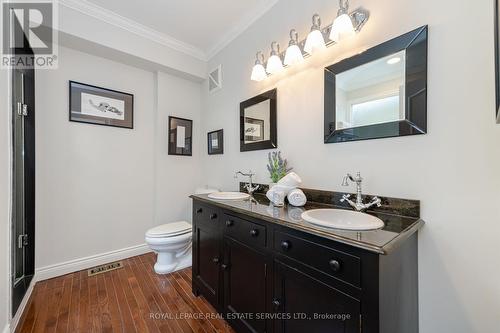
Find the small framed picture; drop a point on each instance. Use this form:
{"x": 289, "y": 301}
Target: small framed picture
{"x": 254, "y": 129}
{"x": 180, "y": 136}
{"x": 100, "y": 106}
{"x": 216, "y": 142}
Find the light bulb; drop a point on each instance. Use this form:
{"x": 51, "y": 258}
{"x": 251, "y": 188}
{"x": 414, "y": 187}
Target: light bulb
{"x": 258, "y": 71}
{"x": 293, "y": 54}
{"x": 342, "y": 28}
{"x": 274, "y": 64}
{"x": 315, "y": 40}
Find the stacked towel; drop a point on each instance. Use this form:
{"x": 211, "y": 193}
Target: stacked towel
{"x": 277, "y": 195}
{"x": 287, "y": 187}
{"x": 296, "y": 197}
{"x": 291, "y": 180}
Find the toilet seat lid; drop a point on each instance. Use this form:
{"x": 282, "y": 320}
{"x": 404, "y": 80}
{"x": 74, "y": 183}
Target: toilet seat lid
{"x": 170, "y": 229}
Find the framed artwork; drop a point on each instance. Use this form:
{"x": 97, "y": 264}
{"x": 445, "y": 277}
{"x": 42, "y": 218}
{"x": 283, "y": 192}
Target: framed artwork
{"x": 254, "y": 129}
{"x": 216, "y": 142}
{"x": 100, "y": 106}
{"x": 497, "y": 59}
{"x": 180, "y": 136}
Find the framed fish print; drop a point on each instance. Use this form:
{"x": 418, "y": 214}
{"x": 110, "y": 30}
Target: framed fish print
{"x": 216, "y": 142}
{"x": 100, "y": 106}
{"x": 180, "y": 136}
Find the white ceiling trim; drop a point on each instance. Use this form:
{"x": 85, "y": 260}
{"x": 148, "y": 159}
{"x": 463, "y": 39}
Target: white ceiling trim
{"x": 105, "y": 15}
{"x": 244, "y": 24}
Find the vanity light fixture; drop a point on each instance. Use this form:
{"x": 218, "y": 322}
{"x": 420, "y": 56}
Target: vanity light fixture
{"x": 315, "y": 40}
{"x": 274, "y": 64}
{"x": 293, "y": 53}
{"x": 258, "y": 71}
{"x": 346, "y": 24}
{"x": 393, "y": 61}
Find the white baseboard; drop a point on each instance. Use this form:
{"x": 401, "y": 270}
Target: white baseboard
{"x": 6, "y": 329}
{"x": 20, "y": 310}
{"x": 48, "y": 272}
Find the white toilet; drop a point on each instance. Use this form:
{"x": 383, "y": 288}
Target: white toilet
{"x": 172, "y": 243}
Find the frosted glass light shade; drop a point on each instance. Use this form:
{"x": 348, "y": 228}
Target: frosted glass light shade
{"x": 258, "y": 73}
{"x": 314, "y": 42}
{"x": 293, "y": 55}
{"x": 342, "y": 28}
{"x": 274, "y": 64}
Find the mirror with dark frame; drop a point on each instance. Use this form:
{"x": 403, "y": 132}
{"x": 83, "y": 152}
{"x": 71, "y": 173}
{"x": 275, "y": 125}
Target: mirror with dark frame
{"x": 258, "y": 122}
{"x": 379, "y": 93}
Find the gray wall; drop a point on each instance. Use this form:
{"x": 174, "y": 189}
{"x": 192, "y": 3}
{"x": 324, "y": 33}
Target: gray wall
{"x": 453, "y": 169}
{"x": 100, "y": 188}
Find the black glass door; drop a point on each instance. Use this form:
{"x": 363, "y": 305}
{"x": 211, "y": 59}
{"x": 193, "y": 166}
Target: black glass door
{"x": 23, "y": 208}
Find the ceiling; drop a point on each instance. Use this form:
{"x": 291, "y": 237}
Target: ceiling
{"x": 206, "y": 25}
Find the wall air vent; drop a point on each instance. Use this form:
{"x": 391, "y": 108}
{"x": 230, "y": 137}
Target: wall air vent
{"x": 215, "y": 79}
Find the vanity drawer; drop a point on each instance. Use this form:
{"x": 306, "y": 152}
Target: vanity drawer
{"x": 205, "y": 215}
{"x": 334, "y": 263}
{"x": 245, "y": 231}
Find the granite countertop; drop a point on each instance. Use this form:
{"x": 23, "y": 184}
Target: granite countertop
{"x": 382, "y": 241}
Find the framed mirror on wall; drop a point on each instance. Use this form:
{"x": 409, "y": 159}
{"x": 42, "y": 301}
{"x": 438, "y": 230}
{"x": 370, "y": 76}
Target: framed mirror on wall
{"x": 258, "y": 128}
{"x": 497, "y": 60}
{"x": 379, "y": 93}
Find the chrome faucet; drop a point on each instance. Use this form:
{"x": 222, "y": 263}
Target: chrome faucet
{"x": 358, "y": 205}
{"x": 248, "y": 186}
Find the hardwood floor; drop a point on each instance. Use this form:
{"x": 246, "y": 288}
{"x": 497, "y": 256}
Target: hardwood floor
{"x": 130, "y": 299}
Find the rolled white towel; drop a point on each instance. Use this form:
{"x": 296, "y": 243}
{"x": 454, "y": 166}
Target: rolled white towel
{"x": 297, "y": 198}
{"x": 276, "y": 196}
{"x": 291, "y": 180}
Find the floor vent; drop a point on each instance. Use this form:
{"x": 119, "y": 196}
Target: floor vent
{"x": 105, "y": 268}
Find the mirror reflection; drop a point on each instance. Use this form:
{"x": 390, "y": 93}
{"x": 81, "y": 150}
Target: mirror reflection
{"x": 257, "y": 121}
{"x": 372, "y": 93}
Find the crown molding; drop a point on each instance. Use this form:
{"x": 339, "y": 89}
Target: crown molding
{"x": 108, "y": 16}
{"x": 244, "y": 24}
{"x": 105, "y": 15}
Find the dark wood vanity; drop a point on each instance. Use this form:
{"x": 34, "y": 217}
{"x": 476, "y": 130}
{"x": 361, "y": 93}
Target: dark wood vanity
{"x": 266, "y": 272}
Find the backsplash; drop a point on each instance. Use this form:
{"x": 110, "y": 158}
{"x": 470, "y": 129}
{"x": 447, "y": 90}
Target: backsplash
{"x": 395, "y": 206}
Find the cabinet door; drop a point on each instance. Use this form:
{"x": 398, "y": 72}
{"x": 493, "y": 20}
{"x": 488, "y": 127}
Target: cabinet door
{"x": 206, "y": 261}
{"x": 305, "y": 304}
{"x": 247, "y": 291}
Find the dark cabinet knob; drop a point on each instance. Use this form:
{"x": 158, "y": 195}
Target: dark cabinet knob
{"x": 199, "y": 211}
{"x": 229, "y": 223}
{"x": 335, "y": 265}
{"x": 215, "y": 260}
{"x": 276, "y": 302}
{"x": 254, "y": 232}
{"x": 285, "y": 245}
{"x": 213, "y": 216}
{"x": 224, "y": 266}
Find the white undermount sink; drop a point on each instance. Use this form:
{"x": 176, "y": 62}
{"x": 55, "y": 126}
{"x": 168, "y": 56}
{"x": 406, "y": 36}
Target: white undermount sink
{"x": 229, "y": 196}
{"x": 342, "y": 219}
